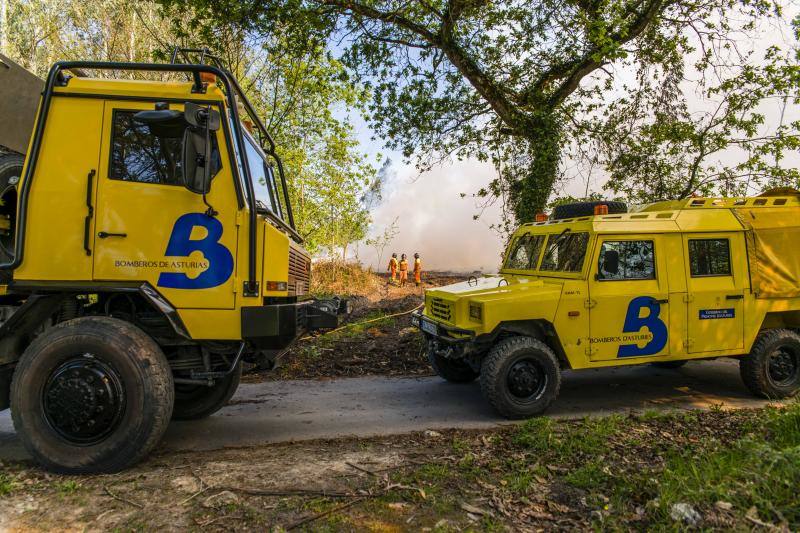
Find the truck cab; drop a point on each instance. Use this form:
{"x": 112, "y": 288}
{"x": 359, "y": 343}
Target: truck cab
{"x": 667, "y": 283}
{"x": 152, "y": 250}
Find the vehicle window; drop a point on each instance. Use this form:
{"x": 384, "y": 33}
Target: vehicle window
{"x": 263, "y": 178}
{"x": 709, "y": 257}
{"x": 565, "y": 252}
{"x": 626, "y": 260}
{"x": 525, "y": 252}
{"x": 138, "y": 155}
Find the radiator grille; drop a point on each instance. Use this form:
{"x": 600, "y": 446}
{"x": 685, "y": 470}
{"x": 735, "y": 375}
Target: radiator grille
{"x": 441, "y": 309}
{"x": 299, "y": 271}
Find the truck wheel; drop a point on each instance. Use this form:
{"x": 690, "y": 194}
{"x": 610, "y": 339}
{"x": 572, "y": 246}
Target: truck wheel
{"x": 670, "y": 365}
{"x": 193, "y": 402}
{"x": 772, "y": 368}
{"x": 91, "y": 395}
{"x": 520, "y": 377}
{"x": 453, "y": 370}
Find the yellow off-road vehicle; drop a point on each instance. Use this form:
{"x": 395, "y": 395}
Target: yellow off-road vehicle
{"x": 147, "y": 249}
{"x": 595, "y": 287}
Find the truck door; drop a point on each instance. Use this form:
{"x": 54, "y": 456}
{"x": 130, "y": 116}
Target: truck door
{"x": 628, "y": 299}
{"x": 715, "y": 291}
{"x": 149, "y": 227}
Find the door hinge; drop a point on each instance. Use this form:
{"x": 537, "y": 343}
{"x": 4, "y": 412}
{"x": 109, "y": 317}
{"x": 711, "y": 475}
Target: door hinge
{"x": 590, "y": 351}
{"x": 687, "y": 298}
{"x": 588, "y": 303}
{"x": 688, "y": 343}
{"x": 238, "y": 218}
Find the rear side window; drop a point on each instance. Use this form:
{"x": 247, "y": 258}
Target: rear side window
{"x": 138, "y": 155}
{"x": 525, "y": 252}
{"x": 709, "y": 257}
{"x": 626, "y": 260}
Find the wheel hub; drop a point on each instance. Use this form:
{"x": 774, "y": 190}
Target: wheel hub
{"x": 784, "y": 365}
{"x": 84, "y": 400}
{"x": 526, "y": 379}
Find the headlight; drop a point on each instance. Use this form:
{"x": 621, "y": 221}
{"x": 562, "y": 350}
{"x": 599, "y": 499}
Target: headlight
{"x": 475, "y": 312}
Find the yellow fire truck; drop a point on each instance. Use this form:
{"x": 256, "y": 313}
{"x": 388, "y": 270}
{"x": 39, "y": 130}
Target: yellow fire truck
{"x": 148, "y": 249}
{"x": 593, "y": 287}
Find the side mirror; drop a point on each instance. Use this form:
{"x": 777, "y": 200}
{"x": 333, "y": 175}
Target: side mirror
{"x": 611, "y": 261}
{"x": 200, "y": 160}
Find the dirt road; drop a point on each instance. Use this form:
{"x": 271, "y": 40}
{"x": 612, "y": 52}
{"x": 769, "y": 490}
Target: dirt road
{"x": 309, "y": 409}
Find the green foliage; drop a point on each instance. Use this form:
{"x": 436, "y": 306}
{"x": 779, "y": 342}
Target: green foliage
{"x": 526, "y": 85}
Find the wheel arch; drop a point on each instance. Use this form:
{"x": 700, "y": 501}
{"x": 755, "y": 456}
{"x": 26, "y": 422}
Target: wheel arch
{"x": 540, "y": 329}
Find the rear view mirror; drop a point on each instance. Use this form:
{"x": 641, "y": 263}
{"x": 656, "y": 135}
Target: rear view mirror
{"x": 200, "y": 161}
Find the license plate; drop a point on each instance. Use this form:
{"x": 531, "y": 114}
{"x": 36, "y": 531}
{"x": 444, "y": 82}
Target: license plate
{"x": 429, "y": 327}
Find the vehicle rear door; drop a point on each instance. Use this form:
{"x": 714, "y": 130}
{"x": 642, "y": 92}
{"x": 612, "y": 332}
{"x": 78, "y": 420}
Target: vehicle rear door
{"x": 716, "y": 286}
{"x": 628, "y": 298}
{"x": 149, "y": 227}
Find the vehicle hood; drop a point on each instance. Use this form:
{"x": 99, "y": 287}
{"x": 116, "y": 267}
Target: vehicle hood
{"x": 487, "y": 288}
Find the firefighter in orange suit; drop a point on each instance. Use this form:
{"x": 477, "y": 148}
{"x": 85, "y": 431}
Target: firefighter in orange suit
{"x": 417, "y": 270}
{"x": 393, "y": 268}
{"x": 403, "y": 270}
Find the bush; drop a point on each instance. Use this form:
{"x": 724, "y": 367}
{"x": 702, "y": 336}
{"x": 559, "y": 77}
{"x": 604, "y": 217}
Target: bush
{"x": 332, "y": 278}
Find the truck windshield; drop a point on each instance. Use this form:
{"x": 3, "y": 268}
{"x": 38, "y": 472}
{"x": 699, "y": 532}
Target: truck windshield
{"x": 565, "y": 252}
{"x": 524, "y": 252}
{"x": 268, "y": 193}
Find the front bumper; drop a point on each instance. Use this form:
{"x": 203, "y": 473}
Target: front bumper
{"x": 442, "y": 332}
{"x": 274, "y": 327}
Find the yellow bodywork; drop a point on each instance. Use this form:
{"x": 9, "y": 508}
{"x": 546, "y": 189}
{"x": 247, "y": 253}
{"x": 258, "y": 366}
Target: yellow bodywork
{"x": 676, "y": 314}
{"x": 76, "y": 144}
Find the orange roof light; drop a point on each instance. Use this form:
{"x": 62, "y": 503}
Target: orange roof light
{"x": 209, "y": 78}
{"x": 541, "y": 217}
{"x": 601, "y": 209}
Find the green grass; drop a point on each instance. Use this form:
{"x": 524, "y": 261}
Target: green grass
{"x": 7, "y": 484}
{"x": 560, "y": 441}
{"x": 68, "y": 486}
{"x": 761, "y": 470}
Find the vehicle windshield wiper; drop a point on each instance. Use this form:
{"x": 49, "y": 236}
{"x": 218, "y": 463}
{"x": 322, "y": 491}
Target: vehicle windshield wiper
{"x": 557, "y": 241}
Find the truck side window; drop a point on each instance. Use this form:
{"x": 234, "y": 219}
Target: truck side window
{"x": 138, "y": 155}
{"x": 709, "y": 257}
{"x": 525, "y": 252}
{"x": 626, "y": 260}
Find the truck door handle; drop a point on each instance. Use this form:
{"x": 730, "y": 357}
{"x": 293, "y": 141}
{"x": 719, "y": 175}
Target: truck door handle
{"x": 734, "y": 296}
{"x": 663, "y": 301}
{"x": 87, "y": 222}
{"x": 105, "y": 234}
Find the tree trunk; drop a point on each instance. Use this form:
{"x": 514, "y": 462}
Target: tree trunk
{"x": 531, "y": 191}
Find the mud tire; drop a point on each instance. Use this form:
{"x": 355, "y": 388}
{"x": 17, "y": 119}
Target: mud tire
{"x": 761, "y": 371}
{"x": 141, "y": 372}
{"x": 452, "y": 370}
{"x": 194, "y": 402}
{"x": 503, "y": 360}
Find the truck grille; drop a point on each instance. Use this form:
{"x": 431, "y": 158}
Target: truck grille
{"x": 441, "y": 309}
{"x": 299, "y": 271}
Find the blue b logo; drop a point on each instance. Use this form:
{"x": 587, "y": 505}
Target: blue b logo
{"x": 634, "y": 324}
{"x": 220, "y": 260}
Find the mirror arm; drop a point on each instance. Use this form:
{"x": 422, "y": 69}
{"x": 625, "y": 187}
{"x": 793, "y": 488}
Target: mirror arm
{"x": 211, "y": 212}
